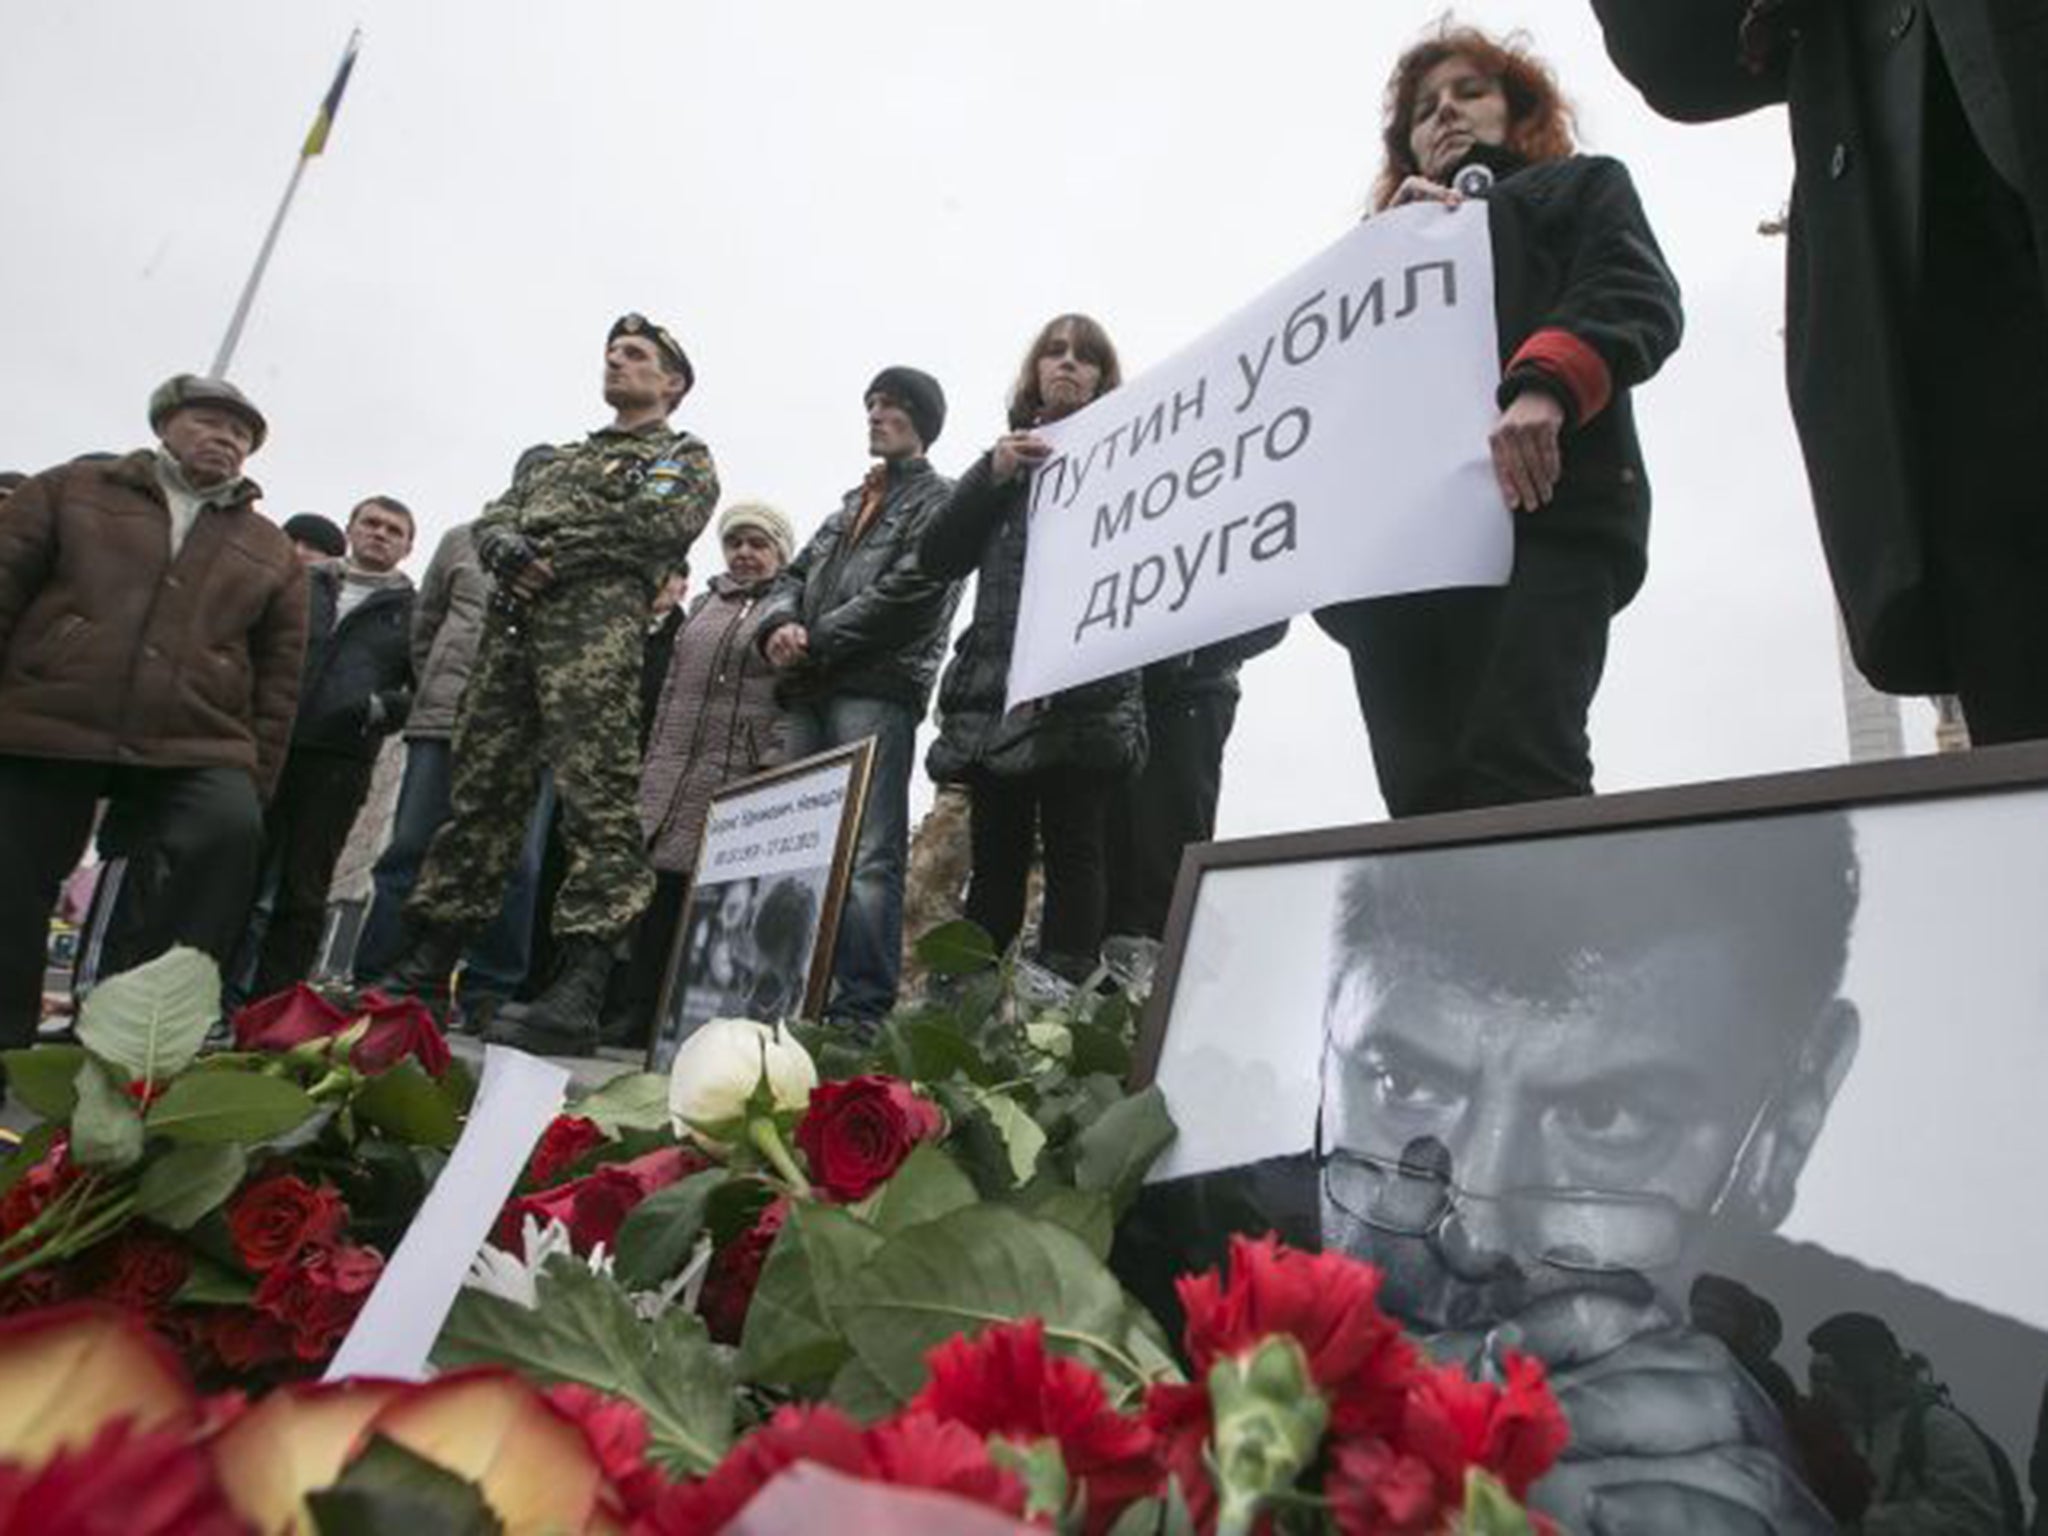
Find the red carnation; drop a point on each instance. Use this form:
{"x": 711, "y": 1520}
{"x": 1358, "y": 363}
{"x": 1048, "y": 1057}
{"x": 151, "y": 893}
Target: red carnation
{"x": 143, "y": 1270}
{"x": 1002, "y": 1383}
{"x": 916, "y": 1450}
{"x": 320, "y": 1295}
{"x": 34, "y": 1289}
{"x": 856, "y": 1133}
{"x": 1375, "y": 1490}
{"x": 246, "y": 1340}
{"x": 140, "y": 1484}
{"x": 285, "y": 1019}
{"x": 735, "y": 1271}
{"x": 796, "y": 1433}
{"x": 272, "y": 1219}
{"x": 1179, "y": 1419}
{"x": 1515, "y": 1430}
{"x": 398, "y": 1027}
{"x": 617, "y": 1433}
{"x": 567, "y": 1140}
{"x": 1328, "y": 1303}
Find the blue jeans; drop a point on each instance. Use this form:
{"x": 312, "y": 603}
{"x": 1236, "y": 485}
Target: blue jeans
{"x": 497, "y": 958}
{"x": 868, "y": 956}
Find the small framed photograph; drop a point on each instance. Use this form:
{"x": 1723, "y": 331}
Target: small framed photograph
{"x": 757, "y": 932}
{"x": 1655, "y": 1082}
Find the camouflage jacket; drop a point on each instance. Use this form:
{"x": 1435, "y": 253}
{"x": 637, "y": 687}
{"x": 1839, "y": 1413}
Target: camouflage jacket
{"x": 616, "y": 505}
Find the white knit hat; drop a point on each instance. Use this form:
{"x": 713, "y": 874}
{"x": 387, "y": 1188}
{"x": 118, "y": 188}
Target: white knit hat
{"x": 759, "y": 515}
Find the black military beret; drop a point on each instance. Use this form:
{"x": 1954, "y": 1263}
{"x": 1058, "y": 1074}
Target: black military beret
{"x": 637, "y": 324}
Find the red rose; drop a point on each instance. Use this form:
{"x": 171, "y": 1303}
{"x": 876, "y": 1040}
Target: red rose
{"x": 143, "y": 1270}
{"x": 567, "y": 1140}
{"x": 1002, "y": 1383}
{"x": 285, "y": 1019}
{"x": 34, "y": 1192}
{"x": 735, "y": 1271}
{"x": 398, "y": 1027}
{"x": 246, "y": 1340}
{"x": 155, "y": 1483}
{"x": 1515, "y": 1430}
{"x": 320, "y": 1295}
{"x": 855, "y": 1133}
{"x": 272, "y": 1219}
{"x": 1375, "y": 1490}
{"x": 595, "y": 1206}
{"x": 1329, "y": 1304}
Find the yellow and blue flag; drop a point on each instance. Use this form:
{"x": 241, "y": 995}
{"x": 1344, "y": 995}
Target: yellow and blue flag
{"x": 323, "y": 121}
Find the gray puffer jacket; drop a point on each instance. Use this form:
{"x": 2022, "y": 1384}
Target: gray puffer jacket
{"x": 447, "y": 624}
{"x": 877, "y": 620}
{"x": 1097, "y": 726}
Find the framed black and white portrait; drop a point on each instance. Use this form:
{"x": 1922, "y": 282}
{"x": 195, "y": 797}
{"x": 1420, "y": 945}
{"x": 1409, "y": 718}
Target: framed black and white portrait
{"x": 1653, "y": 1086}
{"x": 756, "y": 936}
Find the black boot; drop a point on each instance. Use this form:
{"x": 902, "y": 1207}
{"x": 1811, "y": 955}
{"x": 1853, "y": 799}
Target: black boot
{"x": 424, "y": 966}
{"x": 562, "y": 1021}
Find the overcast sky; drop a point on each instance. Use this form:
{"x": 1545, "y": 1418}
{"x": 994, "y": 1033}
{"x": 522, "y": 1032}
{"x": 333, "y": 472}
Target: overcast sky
{"x": 805, "y": 192}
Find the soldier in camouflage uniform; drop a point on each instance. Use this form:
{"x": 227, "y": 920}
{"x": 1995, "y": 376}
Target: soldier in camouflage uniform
{"x": 576, "y": 549}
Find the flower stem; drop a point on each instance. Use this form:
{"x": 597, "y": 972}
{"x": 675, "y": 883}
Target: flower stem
{"x": 767, "y": 1141}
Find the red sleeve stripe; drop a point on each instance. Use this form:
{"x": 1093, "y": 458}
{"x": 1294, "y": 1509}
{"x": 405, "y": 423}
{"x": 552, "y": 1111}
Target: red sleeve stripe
{"x": 1576, "y": 366}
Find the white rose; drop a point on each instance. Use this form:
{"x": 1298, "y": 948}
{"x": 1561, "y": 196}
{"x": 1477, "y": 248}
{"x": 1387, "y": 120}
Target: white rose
{"x": 717, "y": 1070}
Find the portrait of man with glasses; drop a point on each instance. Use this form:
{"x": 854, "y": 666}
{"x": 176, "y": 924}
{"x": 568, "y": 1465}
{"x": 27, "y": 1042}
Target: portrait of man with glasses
{"x": 1549, "y": 1082}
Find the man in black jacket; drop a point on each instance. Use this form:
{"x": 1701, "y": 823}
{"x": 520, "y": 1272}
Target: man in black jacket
{"x": 356, "y": 691}
{"x": 1917, "y": 309}
{"x": 857, "y": 628}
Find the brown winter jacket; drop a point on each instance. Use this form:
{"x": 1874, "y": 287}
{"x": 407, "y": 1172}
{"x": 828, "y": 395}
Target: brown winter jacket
{"x": 111, "y": 651}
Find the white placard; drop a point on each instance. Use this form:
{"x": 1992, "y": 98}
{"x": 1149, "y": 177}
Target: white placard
{"x": 517, "y": 1097}
{"x": 1327, "y": 442}
{"x": 789, "y": 823}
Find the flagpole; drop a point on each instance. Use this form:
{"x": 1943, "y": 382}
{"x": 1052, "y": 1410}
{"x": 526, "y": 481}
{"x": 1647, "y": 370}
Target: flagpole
{"x": 316, "y": 141}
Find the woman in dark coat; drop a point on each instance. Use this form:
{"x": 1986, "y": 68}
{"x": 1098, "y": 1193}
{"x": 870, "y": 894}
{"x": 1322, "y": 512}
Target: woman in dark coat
{"x": 717, "y": 721}
{"x": 1043, "y": 773}
{"x": 1480, "y": 696}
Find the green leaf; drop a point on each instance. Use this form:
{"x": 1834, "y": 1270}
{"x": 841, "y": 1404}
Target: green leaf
{"x": 1100, "y": 1047}
{"x": 958, "y": 948}
{"x": 212, "y": 1283}
{"x": 106, "y": 1130}
{"x": 389, "y": 1488}
{"x": 858, "y": 1391}
{"x": 586, "y": 1330}
{"x": 187, "y": 1182}
{"x": 406, "y": 1103}
{"x": 1113, "y": 1154}
{"x": 929, "y": 1049}
{"x": 1490, "y": 1510}
{"x": 44, "y": 1077}
{"x": 985, "y": 1264}
{"x": 791, "y": 1335}
{"x": 631, "y": 1101}
{"x": 149, "y": 1023}
{"x": 35, "y": 1146}
{"x": 926, "y": 1187}
{"x": 1084, "y": 1212}
{"x": 659, "y": 1232}
{"x": 229, "y": 1106}
{"x": 1023, "y": 1138}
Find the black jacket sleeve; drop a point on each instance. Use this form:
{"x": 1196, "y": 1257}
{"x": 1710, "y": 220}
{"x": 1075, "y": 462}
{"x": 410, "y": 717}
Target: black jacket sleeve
{"x": 959, "y": 531}
{"x": 900, "y": 607}
{"x": 1685, "y": 57}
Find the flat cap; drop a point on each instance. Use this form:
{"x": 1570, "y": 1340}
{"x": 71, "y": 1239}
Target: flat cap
{"x": 637, "y": 324}
{"x": 186, "y": 389}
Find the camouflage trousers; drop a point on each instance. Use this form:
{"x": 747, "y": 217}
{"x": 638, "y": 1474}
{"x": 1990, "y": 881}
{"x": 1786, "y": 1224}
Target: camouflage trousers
{"x": 558, "y": 691}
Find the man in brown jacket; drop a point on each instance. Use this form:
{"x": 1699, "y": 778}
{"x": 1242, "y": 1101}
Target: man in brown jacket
{"x": 152, "y": 627}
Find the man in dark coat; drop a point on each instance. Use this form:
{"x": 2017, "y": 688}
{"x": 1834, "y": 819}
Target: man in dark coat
{"x": 857, "y": 628}
{"x": 152, "y": 626}
{"x": 1917, "y": 291}
{"x": 356, "y": 691}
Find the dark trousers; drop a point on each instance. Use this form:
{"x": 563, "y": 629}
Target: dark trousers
{"x": 1165, "y": 808}
{"x": 191, "y": 835}
{"x": 1981, "y": 359}
{"x": 1479, "y": 696}
{"x": 318, "y": 797}
{"x": 635, "y": 988}
{"x": 1068, "y": 811}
